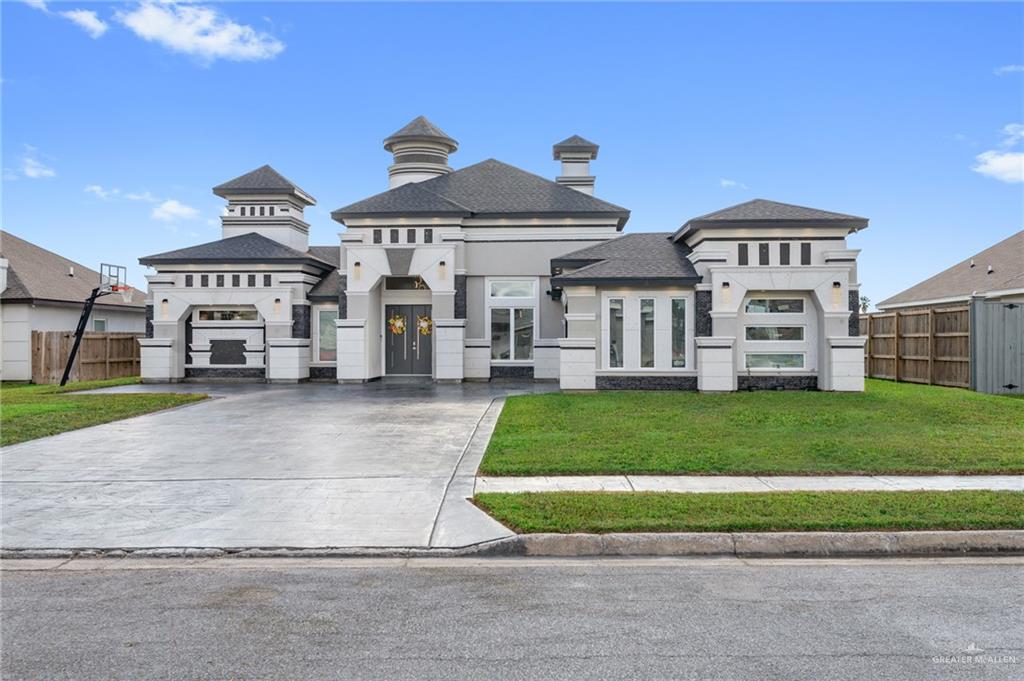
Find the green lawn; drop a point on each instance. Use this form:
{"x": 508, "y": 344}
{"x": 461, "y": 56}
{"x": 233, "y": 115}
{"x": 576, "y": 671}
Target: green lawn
{"x": 31, "y": 411}
{"x": 891, "y": 428}
{"x": 601, "y": 512}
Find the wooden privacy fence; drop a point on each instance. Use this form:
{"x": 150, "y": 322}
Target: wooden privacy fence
{"x": 100, "y": 356}
{"x": 930, "y": 346}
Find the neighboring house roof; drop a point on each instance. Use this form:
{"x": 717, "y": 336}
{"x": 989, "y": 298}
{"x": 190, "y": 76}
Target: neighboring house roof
{"x": 574, "y": 144}
{"x": 764, "y": 213}
{"x": 263, "y": 180}
{"x": 244, "y": 248}
{"x": 971, "y": 275}
{"x": 488, "y": 188}
{"x": 36, "y": 274}
{"x": 420, "y": 128}
{"x": 329, "y": 287}
{"x": 631, "y": 259}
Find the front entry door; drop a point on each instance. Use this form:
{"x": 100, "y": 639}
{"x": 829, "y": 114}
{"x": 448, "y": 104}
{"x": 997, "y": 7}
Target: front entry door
{"x": 408, "y": 332}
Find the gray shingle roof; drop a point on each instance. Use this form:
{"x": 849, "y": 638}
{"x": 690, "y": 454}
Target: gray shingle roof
{"x": 34, "y": 273}
{"x": 641, "y": 258}
{"x": 244, "y": 248}
{"x": 263, "y": 180}
{"x": 328, "y": 287}
{"x": 488, "y": 188}
{"x": 961, "y": 280}
{"x": 420, "y": 127}
{"x": 764, "y": 213}
{"x": 574, "y": 143}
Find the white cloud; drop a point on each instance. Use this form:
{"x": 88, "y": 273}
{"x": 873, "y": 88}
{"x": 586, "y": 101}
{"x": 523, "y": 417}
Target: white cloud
{"x": 87, "y": 20}
{"x": 32, "y": 167}
{"x": 726, "y": 183}
{"x": 172, "y": 210}
{"x": 100, "y": 193}
{"x": 144, "y": 196}
{"x": 1009, "y": 68}
{"x": 1005, "y": 164}
{"x": 198, "y": 31}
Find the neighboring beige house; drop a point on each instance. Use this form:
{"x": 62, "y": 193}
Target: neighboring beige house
{"x": 997, "y": 274}
{"x": 489, "y": 272}
{"x": 43, "y": 291}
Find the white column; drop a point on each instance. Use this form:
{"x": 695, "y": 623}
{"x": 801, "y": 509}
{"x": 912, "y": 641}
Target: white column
{"x": 716, "y": 370}
{"x": 846, "y": 361}
{"x": 477, "y": 360}
{"x": 157, "y": 360}
{"x": 353, "y": 349}
{"x": 287, "y": 360}
{"x": 449, "y": 342}
{"x": 546, "y": 359}
{"x": 577, "y": 364}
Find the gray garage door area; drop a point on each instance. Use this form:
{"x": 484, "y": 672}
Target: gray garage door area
{"x": 303, "y": 466}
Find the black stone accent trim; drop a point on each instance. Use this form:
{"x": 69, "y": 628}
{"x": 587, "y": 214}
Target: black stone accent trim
{"x": 702, "y": 315}
{"x": 512, "y": 372}
{"x": 188, "y": 338}
{"x": 342, "y": 297}
{"x": 776, "y": 382}
{"x": 323, "y": 373}
{"x": 854, "y": 297}
{"x": 300, "y": 320}
{"x": 646, "y": 382}
{"x": 226, "y": 372}
{"x": 460, "y": 296}
{"x": 149, "y": 321}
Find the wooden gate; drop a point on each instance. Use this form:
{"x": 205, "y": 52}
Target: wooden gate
{"x": 930, "y": 346}
{"x": 997, "y": 354}
{"x": 100, "y": 356}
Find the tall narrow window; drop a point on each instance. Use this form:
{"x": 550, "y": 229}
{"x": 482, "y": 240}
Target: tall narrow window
{"x": 678, "y": 333}
{"x": 220, "y": 280}
{"x": 647, "y": 333}
{"x": 410, "y": 236}
{"x": 742, "y": 253}
{"x": 271, "y": 211}
{"x": 615, "y": 335}
{"x": 236, "y": 280}
{"x": 501, "y": 345}
{"x": 252, "y": 281}
{"x": 523, "y": 319}
{"x": 762, "y": 254}
{"x": 394, "y": 236}
{"x": 204, "y": 280}
{"x": 805, "y": 254}
{"x": 378, "y": 236}
{"x": 783, "y": 253}
{"x": 188, "y": 280}
{"x": 327, "y": 345}
{"x": 428, "y": 236}
{"x": 261, "y": 211}
{"x": 266, "y": 280}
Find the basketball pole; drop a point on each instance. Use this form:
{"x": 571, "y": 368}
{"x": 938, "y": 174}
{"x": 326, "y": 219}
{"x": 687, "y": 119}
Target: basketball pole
{"x": 83, "y": 321}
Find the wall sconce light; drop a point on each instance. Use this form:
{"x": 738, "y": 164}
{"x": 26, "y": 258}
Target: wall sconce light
{"x": 357, "y": 270}
{"x": 163, "y": 308}
{"x": 837, "y": 294}
{"x": 726, "y": 294}
{"x": 442, "y": 270}
{"x": 277, "y": 308}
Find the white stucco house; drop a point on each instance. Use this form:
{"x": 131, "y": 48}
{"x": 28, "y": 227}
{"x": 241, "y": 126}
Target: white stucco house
{"x": 43, "y": 291}
{"x": 490, "y": 272}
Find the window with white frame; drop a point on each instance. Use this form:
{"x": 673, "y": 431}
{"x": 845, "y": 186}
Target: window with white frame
{"x": 647, "y": 331}
{"x": 512, "y": 315}
{"x": 775, "y": 305}
{"x": 775, "y": 360}
{"x": 774, "y": 333}
{"x": 99, "y": 324}
{"x": 327, "y": 334}
{"x": 778, "y": 334}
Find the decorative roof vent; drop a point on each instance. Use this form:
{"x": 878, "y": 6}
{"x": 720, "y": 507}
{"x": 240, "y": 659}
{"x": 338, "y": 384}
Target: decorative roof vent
{"x": 71, "y": 270}
{"x": 421, "y": 152}
{"x": 990, "y": 270}
{"x": 576, "y": 153}
{"x": 972, "y": 262}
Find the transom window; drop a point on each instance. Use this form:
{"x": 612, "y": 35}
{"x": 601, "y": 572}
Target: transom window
{"x": 775, "y": 333}
{"x": 523, "y": 288}
{"x": 236, "y": 315}
{"x": 775, "y": 305}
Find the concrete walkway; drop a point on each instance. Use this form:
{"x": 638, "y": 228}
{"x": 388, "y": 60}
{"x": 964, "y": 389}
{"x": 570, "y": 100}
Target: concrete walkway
{"x": 697, "y": 483}
{"x": 318, "y": 465}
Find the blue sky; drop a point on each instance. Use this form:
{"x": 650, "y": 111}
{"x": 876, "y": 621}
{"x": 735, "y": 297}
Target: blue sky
{"x": 117, "y": 119}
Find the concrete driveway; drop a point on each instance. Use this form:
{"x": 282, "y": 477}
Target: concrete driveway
{"x": 314, "y": 465}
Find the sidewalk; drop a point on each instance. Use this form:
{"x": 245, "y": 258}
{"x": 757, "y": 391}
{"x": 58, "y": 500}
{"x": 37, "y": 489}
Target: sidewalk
{"x": 701, "y": 483}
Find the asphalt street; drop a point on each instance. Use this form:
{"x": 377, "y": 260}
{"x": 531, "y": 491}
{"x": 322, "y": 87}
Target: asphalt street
{"x": 513, "y": 619}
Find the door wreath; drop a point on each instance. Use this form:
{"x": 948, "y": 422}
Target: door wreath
{"x": 396, "y": 324}
{"x": 424, "y": 324}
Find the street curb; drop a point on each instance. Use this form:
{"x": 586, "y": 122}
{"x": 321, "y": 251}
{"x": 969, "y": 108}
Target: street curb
{"x": 739, "y": 544}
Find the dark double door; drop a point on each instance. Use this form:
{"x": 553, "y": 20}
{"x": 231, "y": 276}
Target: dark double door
{"x": 408, "y": 340}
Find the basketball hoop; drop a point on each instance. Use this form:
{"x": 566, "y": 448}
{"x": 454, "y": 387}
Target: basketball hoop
{"x": 125, "y": 291}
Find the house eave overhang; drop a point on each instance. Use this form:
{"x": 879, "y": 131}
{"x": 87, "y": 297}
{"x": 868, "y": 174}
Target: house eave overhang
{"x": 341, "y": 214}
{"x": 72, "y": 303}
{"x": 297, "y": 193}
{"x": 313, "y": 262}
{"x": 851, "y": 225}
{"x": 562, "y": 282}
